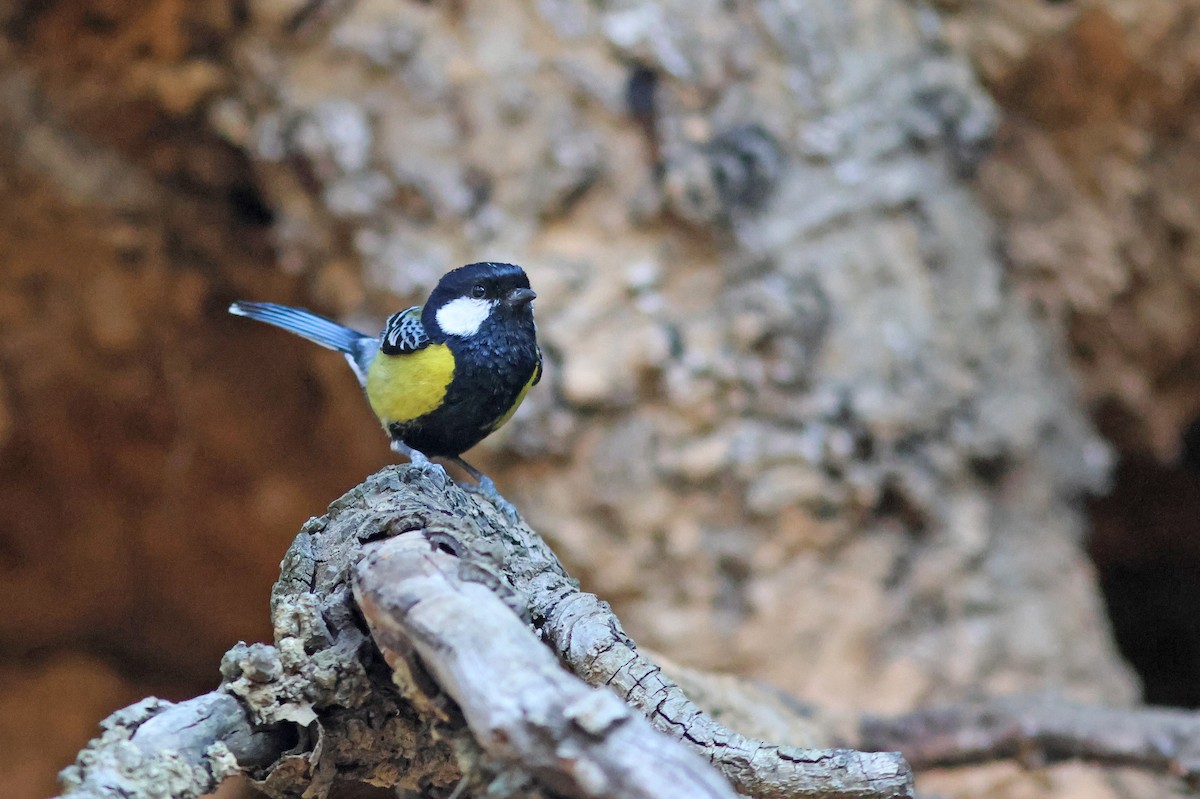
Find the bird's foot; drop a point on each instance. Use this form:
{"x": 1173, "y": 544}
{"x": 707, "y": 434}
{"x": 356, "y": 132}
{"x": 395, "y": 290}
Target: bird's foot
{"x": 417, "y": 458}
{"x": 486, "y": 488}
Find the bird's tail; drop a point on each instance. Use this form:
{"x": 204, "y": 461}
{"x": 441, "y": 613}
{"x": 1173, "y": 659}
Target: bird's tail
{"x": 304, "y": 323}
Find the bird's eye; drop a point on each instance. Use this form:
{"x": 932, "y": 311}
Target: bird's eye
{"x": 478, "y": 291}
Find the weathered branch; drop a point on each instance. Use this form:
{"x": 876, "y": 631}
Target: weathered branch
{"x": 1044, "y": 730}
{"x": 453, "y": 626}
{"x": 184, "y": 749}
{"x": 519, "y": 703}
{"x": 589, "y": 639}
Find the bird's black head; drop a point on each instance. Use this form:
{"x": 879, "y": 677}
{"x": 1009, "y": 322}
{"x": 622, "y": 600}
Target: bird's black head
{"x": 473, "y": 295}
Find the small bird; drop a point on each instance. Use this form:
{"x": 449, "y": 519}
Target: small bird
{"x": 444, "y": 375}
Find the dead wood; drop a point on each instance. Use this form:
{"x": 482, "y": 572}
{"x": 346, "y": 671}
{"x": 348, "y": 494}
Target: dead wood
{"x": 436, "y": 671}
{"x": 183, "y": 749}
{"x": 1042, "y": 730}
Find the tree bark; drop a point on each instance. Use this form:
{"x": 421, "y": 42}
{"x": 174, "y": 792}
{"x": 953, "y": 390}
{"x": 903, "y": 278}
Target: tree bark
{"x": 449, "y": 678}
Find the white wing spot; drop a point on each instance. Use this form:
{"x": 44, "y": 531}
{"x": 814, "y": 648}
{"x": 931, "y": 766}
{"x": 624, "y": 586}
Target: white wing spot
{"x": 463, "y": 316}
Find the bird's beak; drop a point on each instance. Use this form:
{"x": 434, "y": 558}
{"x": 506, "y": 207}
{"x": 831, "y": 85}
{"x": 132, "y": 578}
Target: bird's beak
{"x": 518, "y": 297}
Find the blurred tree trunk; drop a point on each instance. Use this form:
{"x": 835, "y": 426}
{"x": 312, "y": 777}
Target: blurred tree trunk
{"x": 798, "y": 420}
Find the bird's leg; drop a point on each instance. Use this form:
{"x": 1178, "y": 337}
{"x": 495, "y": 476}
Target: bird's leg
{"x": 415, "y": 457}
{"x": 486, "y": 488}
{"x": 485, "y": 483}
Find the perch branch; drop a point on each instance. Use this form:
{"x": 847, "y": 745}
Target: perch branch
{"x": 1044, "y": 730}
{"x": 519, "y": 703}
{"x": 156, "y": 748}
{"x": 322, "y": 677}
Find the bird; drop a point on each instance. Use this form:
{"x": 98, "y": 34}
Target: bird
{"x": 444, "y": 375}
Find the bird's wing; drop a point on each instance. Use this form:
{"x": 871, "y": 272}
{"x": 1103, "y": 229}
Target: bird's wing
{"x": 404, "y": 333}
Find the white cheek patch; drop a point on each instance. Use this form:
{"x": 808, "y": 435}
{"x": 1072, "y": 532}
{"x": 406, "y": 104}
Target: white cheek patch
{"x": 462, "y": 317}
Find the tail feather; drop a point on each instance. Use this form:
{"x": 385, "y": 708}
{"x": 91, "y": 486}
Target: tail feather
{"x": 303, "y": 323}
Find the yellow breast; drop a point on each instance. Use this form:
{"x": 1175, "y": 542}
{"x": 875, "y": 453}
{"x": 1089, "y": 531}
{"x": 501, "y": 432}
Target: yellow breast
{"x": 404, "y": 387}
